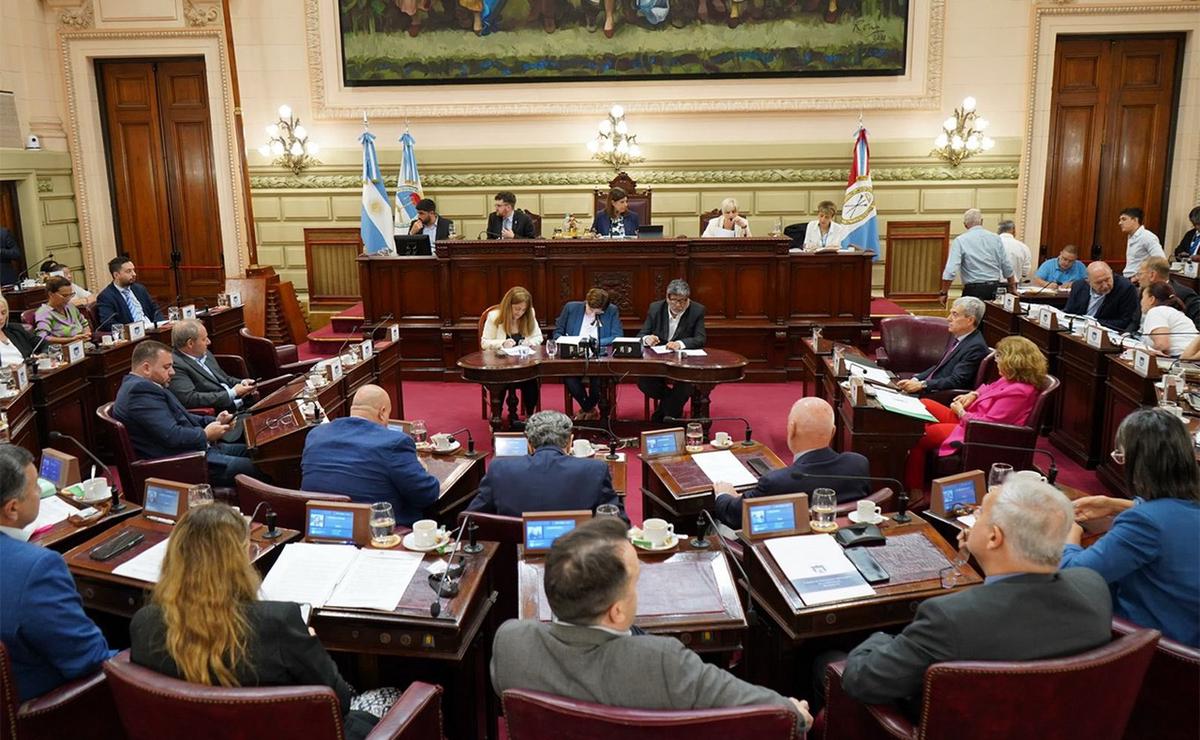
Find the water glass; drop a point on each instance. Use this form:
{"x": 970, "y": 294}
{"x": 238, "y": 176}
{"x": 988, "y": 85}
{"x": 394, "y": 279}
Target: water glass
{"x": 1000, "y": 293}
{"x": 383, "y": 525}
{"x": 608, "y": 510}
{"x": 173, "y": 313}
{"x": 200, "y": 495}
{"x": 1172, "y": 408}
{"x": 419, "y": 433}
{"x": 824, "y": 510}
{"x": 998, "y": 474}
{"x": 951, "y": 575}
{"x": 695, "y": 437}
{"x": 117, "y": 331}
{"x": 551, "y": 349}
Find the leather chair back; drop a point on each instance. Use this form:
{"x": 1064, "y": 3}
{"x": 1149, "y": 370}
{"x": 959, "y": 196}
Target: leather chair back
{"x": 79, "y": 708}
{"x": 260, "y": 355}
{"x": 507, "y": 531}
{"x": 27, "y": 316}
{"x": 122, "y": 451}
{"x": 536, "y": 218}
{"x": 93, "y": 317}
{"x": 235, "y": 365}
{"x": 913, "y": 343}
{"x": 1166, "y": 705}
{"x": 706, "y": 217}
{"x": 533, "y": 715}
{"x": 287, "y": 503}
{"x": 483, "y": 319}
{"x": 989, "y": 371}
{"x": 639, "y": 200}
{"x": 975, "y": 456}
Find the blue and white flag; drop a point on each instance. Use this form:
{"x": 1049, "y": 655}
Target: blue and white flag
{"x": 377, "y": 232}
{"x": 408, "y": 185}
{"x": 858, "y": 209}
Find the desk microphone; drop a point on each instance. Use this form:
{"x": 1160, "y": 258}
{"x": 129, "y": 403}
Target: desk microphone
{"x": 901, "y": 516}
{"x": 271, "y": 519}
{"x": 747, "y": 442}
{"x": 613, "y": 439}
{"x": 116, "y": 495}
{"x": 443, "y": 586}
{"x": 470, "y": 441}
{"x": 1051, "y": 474}
{"x": 25, "y": 273}
{"x": 343, "y": 347}
{"x": 370, "y": 333}
{"x": 751, "y": 613}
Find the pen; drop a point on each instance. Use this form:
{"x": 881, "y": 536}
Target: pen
{"x": 41, "y": 530}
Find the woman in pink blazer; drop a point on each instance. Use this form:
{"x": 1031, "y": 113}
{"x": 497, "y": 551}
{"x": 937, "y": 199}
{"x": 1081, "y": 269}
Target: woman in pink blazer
{"x": 1007, "y": 401}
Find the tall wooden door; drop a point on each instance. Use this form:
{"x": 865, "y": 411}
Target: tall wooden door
{"x": 162, "y": 174}
{"x": 1112, "y": 118}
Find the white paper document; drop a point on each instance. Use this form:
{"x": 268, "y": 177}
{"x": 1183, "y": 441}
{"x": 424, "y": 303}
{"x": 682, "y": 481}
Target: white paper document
{"x": 52, "y": 511}
{"x": 376, "y": 579}
{"x": 967, "y": 520}
{"x": 660, "y": 349}
{"x": 873, "y": 374}
{"x": 818, "y": 569}
{"x": 694, "y": 353}
{"x": 723, "y": 465}
{"x": 899, "y": 403}
{"x": 519, "y": 350}
{"x": 147, "y": 566}
{"x": 307, "y": 573}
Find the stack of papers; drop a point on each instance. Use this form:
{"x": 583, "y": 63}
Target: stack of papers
{"x": 52, "y": 511}
{"x": 147, "y": 566}
{"x": 519, "y": 350}
{"x": 723, "y": 466}
{"x": 898, "y": 403}
{"x": 873, "y": 374}
{"x": 818, "y": 569}
{"x": 338, "y": 575}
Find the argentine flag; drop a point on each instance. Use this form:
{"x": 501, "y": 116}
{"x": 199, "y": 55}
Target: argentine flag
{"x": 377, "y": 235}
{"x": 858, "y": 209}
{"x": 408, "y": 185}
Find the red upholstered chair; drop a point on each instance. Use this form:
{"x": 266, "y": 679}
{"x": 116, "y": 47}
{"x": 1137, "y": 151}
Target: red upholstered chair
{"x": 639, "y": 200}
{"x": 153, "y": 706}
{"x": 536, "y": 218}
{"x": 1090, "y": 695}
{"x": 507, "y": 531}
{"x": 77, "y": 709}
{"x": 287, "y": 503}
{"x": 706, "y": 217}
{"x": 266, "y": 360}
{"x": 27, "y": 316}
{"x": 189, "y": 467}
{"x": 533, "y": 715}
{"x": 912, "y": 343}
{"x": 986, "y": 373}
{"x": 1166, "y": 705}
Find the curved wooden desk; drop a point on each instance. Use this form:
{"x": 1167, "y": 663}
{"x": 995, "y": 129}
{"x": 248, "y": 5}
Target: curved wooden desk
{"x": 494, "y": 371}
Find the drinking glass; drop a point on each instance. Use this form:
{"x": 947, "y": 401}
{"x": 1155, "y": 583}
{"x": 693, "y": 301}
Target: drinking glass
{"x": 824, "y": 510}
{"x": 1172, "y": 408}
{"x": 172, "y": 314}
{"x": 551, "y": 349}
{"x": 608, "y": 510}
{"x": 695, "y": 437}
{"x": 1000, "y": 293}
{"x": 383, "y": 525}
{"x": 952, "y": 574}
{"x": 420, "y": 434}
{"x": 998, "y": 474}
{"x": 117, "y": 331}
{"x": 200, "y": 495}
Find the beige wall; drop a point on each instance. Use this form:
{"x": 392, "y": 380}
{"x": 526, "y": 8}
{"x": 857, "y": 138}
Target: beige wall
{"x": 48, "y": 220}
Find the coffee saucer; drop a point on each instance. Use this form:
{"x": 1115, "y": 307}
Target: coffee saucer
{"x": 636, "y": 537}
{"x": 853, "y": 516}
{"x": 588, "y": 455}
{"x": 720, "y": 446}
{"x": 446, "y": 450}
{"x": 409, "y": 541}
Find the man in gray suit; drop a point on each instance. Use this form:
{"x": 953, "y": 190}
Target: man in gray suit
{"x": 1027, "y": 608}
{"x": 590, "y": 652}
{"x": 199, "y": 381}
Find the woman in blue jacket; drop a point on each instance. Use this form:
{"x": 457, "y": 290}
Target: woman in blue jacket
{"x": 616, "y": 220}
{"x": 592, "y": 318}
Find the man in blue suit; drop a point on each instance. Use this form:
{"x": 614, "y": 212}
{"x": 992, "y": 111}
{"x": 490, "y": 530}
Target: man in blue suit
{"x": 592, "y": 318}
{"x": 814, "y": 464}
{"x": 124, "y": 300}
{"x": 549, "y": 479}
{"x": 50, "y": 640}
{"x": 360, "y": 457}
{"x": 965, "y": 350}
{"x": 159, "y": 425}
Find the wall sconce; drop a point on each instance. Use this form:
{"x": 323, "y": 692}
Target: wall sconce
{"x": 288, "y": 142}
{"x": 613, "y": 144}
{"x": 962, "y": 135}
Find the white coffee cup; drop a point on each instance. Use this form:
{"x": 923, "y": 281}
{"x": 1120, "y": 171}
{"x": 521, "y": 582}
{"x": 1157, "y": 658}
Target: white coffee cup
{"x": 868, "y": 511}
{"x": 424, "y": 532}
{"x": 94, "y": 488}
{"x": 106, "y": 339}
{"x": 45, "y": 363}
{"x": 442, "y": 441}
{"x": 582, "y": 448}
{"x": 722, "y": 439}
{"x": 1031, "y": 475}
{"x": 657, "y": 531}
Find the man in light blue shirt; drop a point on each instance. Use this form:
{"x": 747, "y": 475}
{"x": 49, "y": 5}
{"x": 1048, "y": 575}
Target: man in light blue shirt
{"x": 978, "y": 257}
{"x": 1141, "y": 244}
{"x": 1059, "y": 272}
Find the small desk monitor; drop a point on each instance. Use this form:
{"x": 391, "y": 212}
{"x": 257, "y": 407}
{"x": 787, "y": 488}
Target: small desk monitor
{"x": 413, "y": 245}
{"x": 400, "y": 425}
{"x": 956, "y": 491}
{"x": 509, "y": 444}
{"x": 775, "y": 516}
{"x": 662, "y": 442}
{"x": 336, "y": 522}
{"x": 541, "y": 529}
{"x": 650, "y": 231}
{"x": 59, "y": 468}
{"x": 165, "y": 499}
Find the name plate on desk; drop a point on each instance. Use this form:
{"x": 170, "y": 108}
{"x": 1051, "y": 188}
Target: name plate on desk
{"x": 394, "y": 332}
{"x": 74, "y": 352}
{"x": 333, "y": 369}
{"x": 1191, "y": 269}
{"x": 22, "y": 375}
{"x": 235, "y": 300}
{"x": 189, "y": 311}
{"x": 135, "y": 331}
{"x": 1097, "y": 338}
{"x": 368, "y": 349}
{"x": 1048, "y": 319}
{"x": 1010, "y": 303}
{"x": 1145, "y": 364}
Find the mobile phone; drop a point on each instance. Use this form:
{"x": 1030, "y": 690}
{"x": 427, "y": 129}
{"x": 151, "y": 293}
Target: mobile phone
{"x": 89, "y": 511}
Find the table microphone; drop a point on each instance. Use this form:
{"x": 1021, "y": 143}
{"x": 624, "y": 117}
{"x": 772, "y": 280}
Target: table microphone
{"x": 370, "y": 333}
{"x": 747, "y": 442}
{"x": 1051, "y": 474}
{"x": 751, "y": 613}
{"x": 271, "y": 519}
{"x": 25, "y": 273}
{"x": 343, "y": 347}
{"x": 901, "y": 516}
{"x": 614, "y": 440}
{"x": 470, "y": 441}
{"x": 116, "y": 495}
{"x": 443, "y": 585}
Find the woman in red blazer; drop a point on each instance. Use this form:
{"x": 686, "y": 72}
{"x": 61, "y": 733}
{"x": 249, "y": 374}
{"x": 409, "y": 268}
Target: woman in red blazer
{"x": 1006, "y": 401}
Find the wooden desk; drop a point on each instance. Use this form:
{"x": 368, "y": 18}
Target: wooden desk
{"x": 355, "y": 377}
{"x": 665, "y": 481}
{"x": 65, "y": 535}
{"x": 63, "y": 401}
{"x": 1185, "y": 281}
{"x": 1047, "y": 340}
{"x": 812, "y": 372}
{"x": 388, "y": 371}
{"x": 1127, "y": 392}
{"x": 224, "y": 326}
{"x": 1057, "y": 298}
{"x": 22, "y": 299}
{"x": 998, "y": 323}
{"x": 686, "y": 593}
{"x": 459, "y": 475}
{"x": 22, "y": 421}
{"x": 1083, "y": 371}
{"x": 495, "y": 371}
{"x": 949, "y": 527}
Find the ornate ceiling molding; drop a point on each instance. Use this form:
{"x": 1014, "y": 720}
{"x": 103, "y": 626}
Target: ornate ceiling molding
{"x": 81, "y": 17}
{"x": 199, "y": 16}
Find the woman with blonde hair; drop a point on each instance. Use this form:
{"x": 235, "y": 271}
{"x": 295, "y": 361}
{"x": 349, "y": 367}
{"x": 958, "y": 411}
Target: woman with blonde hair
{"x": 727, "y": 223}
{"x": 16, "y": 342}
{"x": 205, "y": 624}
{"x": 514, "y": 323}
{"x": 1009, "y": 400}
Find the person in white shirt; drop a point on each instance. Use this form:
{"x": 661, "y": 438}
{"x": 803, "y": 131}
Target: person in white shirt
{"x": 1018, "y": 253}
{"x": 1141, "y": 244}
{"x": 729, "y": 223}
{"x": 514, "y": 323}
{"x": 824, "y": 232}
{"x": 1165, "y": 327}
{"x": 83, "y": 296}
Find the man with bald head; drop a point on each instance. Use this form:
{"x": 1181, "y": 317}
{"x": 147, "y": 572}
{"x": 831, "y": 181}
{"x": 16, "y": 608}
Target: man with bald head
{"x": 814, "y": 464}
{"x": 360, "y": 457}
{"x": 1110, "y": 299}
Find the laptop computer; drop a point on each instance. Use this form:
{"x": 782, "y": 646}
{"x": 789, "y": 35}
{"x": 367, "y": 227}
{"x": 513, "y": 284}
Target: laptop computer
{"x": 413, "y": 245}
{"x": 650, "y": 231}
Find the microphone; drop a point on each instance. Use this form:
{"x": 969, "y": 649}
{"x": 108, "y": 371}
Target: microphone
{"x": 442, "y": 586}
{"x": 901, "y": 516}
{"x": 485, "y": 234}
{"x": 116, "y": 495}
{"x": 272, "y": 519}
{"x": 370, "y": 334}
{"x": 748, "y": 441}
{"x": 751, "y": 613}
{"x": 31, "y": 361}
{"x": 612, "y": 438}
{"x": 253, "y": 410}
{"x": 345, "y": 343}
{"x": 470, "y": 441}
{"x": 1051, "y": 474}
{"x": 25, "y": 273}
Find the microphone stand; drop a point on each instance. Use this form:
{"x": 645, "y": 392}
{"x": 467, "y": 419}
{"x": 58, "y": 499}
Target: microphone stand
{"x": 901, "y": 516}
{"x": 116, "y": 495}
{"x": 470, "y": 441}
{"x": 747, "y": 442}
{"x": 443, "y": 586}
{"x": 613, "y": 439}
{"x": 272, "y": 519}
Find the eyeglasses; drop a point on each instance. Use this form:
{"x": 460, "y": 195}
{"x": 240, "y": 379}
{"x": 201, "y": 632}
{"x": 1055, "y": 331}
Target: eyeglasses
{"x": 677, "y": 300}
{"x": 1118, "y": 456}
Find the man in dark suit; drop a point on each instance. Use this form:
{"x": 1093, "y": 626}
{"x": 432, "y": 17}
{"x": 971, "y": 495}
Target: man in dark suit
{"x": 676, "y": 323}
{"x": 964, "y": 352}
{"x": 1110, "y": 299}
{"x": 507, "y": 222}
{"x": 199, "y": 381}
{"x": 10, "y": 256}
{"x": 1158, "y": 270}
{"x": 49, "y": 639}
{"x": 1189, "y": 246}
{"x": 160, "y": 426}
{"x": 125, "y": 300}
{"x": 595, "y": 317}
{"x": 361, "y": 457}
{"x": 815, "y": 464}
{"x": 429, "y": 223}
{"x": 593, "y": 652}
{"x": 1027, "y": 608}
{"x": 550, "y": 479}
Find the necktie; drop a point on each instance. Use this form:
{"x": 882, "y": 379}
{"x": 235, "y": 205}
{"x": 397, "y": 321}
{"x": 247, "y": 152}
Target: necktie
{"x": 1196, "y": 243}
{"x": 135, "y": 307}
{"x": 949, "y": 351}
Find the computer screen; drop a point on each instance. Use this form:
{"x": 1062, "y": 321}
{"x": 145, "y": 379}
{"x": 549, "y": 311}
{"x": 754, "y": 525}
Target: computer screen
{"x": 778, "y": 517}
{"x": 510, "y": 446}
{"x": 51, "y": 468}
{"x": 540, "y": 534}
{"x": 162, "y": 500}
{"x": 957, "y": 494}
{"x": 662, "y": 444}
{"x": 331, "y": 524}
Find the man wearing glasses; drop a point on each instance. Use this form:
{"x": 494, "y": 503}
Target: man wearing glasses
{"x": 676, "y": 323}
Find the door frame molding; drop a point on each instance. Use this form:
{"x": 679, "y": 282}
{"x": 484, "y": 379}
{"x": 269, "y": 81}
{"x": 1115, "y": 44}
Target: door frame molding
{"x": 1050, "y": 22}
{"x": 89, "y": 168}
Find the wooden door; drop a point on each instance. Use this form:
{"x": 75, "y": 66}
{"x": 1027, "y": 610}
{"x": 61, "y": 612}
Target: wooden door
{"x": 10, "y": 218}
{"x": 1111, "y": 127}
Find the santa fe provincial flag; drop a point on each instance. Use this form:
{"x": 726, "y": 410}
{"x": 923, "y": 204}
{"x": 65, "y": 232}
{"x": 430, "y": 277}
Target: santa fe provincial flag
{"x": 377, "y": 234}
{"x": 408, "y": 185}
{"x": 858, "y": 209}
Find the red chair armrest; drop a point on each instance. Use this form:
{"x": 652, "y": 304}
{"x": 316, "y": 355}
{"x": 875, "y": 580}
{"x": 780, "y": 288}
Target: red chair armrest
{"x": 416, "y": 715}
{"x": 56, "y": 713}
{"x": 881, "y": 357}
{"x": 945, "y": 397}
{"x": 235, "y": 365}
{"x": 989, "y": 432}
{"x": 189, "y": 467}
{"x": 204, "y": 411}
{"x": 845, "y": 717}
{"x": 286, "y": 353}
{"x": 69, "y": 692}
{"x": 892, "y": 721}
{"x": 298, "y": 368}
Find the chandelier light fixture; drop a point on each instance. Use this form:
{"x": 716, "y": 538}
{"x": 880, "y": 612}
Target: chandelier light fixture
{"x": 288, "y": 142}
{"x": 613, "y": 144}
{"x": 962, "y": 134}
